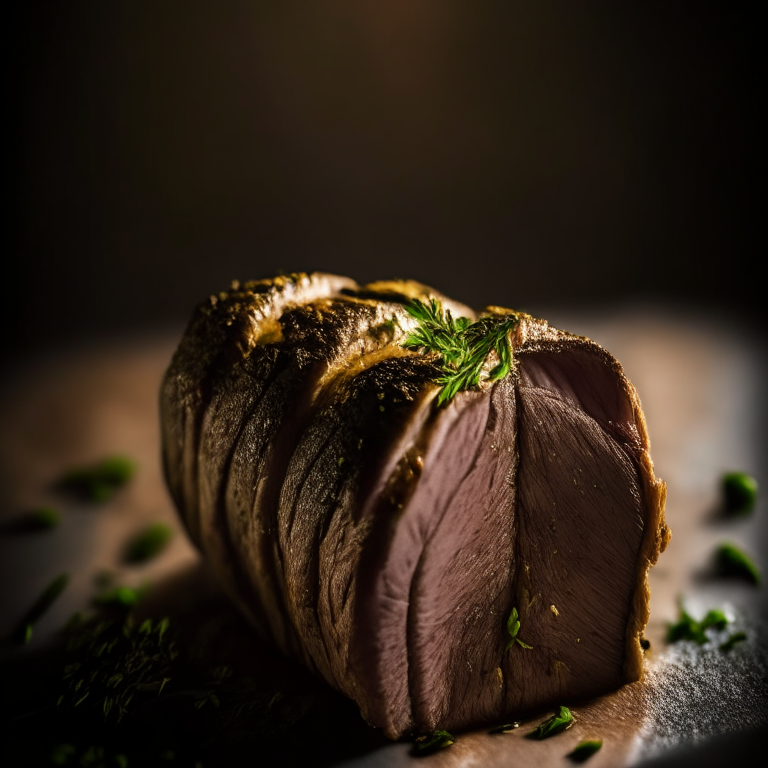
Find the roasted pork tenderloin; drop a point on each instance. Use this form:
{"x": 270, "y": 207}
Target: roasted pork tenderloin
{"x": 381, "y": 533}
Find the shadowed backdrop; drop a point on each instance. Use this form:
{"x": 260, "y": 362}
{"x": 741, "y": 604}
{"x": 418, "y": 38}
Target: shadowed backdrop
{"x": 530, "y": 156}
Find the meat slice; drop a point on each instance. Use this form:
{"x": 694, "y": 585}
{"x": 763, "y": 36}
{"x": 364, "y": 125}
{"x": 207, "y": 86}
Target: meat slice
{"x": 382, "y": 539}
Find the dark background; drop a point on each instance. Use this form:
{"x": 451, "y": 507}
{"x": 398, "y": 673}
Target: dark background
{"x": 578, "y": 155}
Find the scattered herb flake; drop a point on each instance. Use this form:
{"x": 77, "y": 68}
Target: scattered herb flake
{"x": 513, "y": 627}
{"x": 46, "y": 599}
{"x": 506, "y": 728}
{"x": 740, "y": 492}
{"x": 687, "y": 628}
{"x": 149, "y": 543}
{"x": 645, "y": 643}
{"x": 45, "y": 517}
{"x": 462, "y": 345}
{"x": 125, "y": 597}
{"x": 733, "y": 640}
{"x": 115, "y": 663}
{"x": 98, "y": 483}
{"x": 61, "y": 753}
{"x": 731, "y": 561}
{"x": 585, "y": 749}
{"x": 435, "y": 741}
{"x": 560, "y": 721}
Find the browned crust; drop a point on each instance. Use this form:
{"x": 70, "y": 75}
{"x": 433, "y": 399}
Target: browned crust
{"x": 227, "y": 329}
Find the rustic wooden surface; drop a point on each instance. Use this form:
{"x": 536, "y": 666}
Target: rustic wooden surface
{"x": 700, "y": 385}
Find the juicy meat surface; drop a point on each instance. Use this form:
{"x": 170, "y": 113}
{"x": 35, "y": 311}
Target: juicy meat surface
{"x": 382, "y": 539}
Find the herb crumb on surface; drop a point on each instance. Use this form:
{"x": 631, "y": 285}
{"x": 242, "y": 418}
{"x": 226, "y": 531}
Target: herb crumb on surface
{"x": 688, "y": 628}
{"x": 559, "y": 722}
{"x": 23, "y": 632}
{"x": 148, "y": 543}
{"x": 739, "y": 493}
{"x": 433, "y": 742}
{"x": 506, "y": 728}
{"x": 585, "y": 749}
{"x": 732, "y": 561}
{"x": 99, "y": 482}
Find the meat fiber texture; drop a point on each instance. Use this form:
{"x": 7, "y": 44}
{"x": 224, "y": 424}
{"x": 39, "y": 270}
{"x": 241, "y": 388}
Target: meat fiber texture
{"x": 382, "y": 539}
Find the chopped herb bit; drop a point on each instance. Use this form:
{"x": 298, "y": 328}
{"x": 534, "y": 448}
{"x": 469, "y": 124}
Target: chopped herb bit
{"x": 45, "y": 517}
{"x": 61, "y": 753}
{"x": 33, "y": 521}
{"x": 149, "y": 543}
{"x": 560, "y": 721}
{"x": 585, "y": 749}
{"x": 513, "y": 627}
{"x": 437, "y": 740}
{"x": 731, "y": 561}
{"x": 733, "y": 640}
{"x": 740, "y": 491}
{"x": 47, "y": 598}
{"x": 99, "y": 482}
{"x": 506, "y": 728}
{"x": 125, "y": 597}
{"x": 463, "y": 345}
{"x": 687, "y": 628}
{"x": 645, "y": 644}
{"x": 116, "y": 663}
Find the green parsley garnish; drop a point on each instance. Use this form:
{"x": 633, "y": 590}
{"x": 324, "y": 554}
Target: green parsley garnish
{"x": 99, "y": 482}
{"x": 733, "y": 640}
{"x": 585, "y": 749}
{"x": 149, "y": 543}
{"x": 437, "y": 740}
{"x": 47, "y": 598}
{"x": 687, "y": 628}
{"x": 740, "y": 491}
{"x": 513, "y": 627}
{"x": 731, "y": 561}
{"x": 462, "y": 344}
{"x": 560, "y": 721}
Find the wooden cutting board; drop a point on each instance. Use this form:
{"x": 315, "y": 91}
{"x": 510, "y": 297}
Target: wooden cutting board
{"x": 700, "y": 386}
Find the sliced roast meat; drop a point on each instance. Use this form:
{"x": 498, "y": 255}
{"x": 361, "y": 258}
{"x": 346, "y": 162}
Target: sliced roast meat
{"x": 382, "y": 539}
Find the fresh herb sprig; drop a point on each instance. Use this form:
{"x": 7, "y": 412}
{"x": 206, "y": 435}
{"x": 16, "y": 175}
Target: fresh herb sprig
{"x": 462, "y": 345}
{"x": 560, "y": 721}
{"x": 513, "y": 627}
